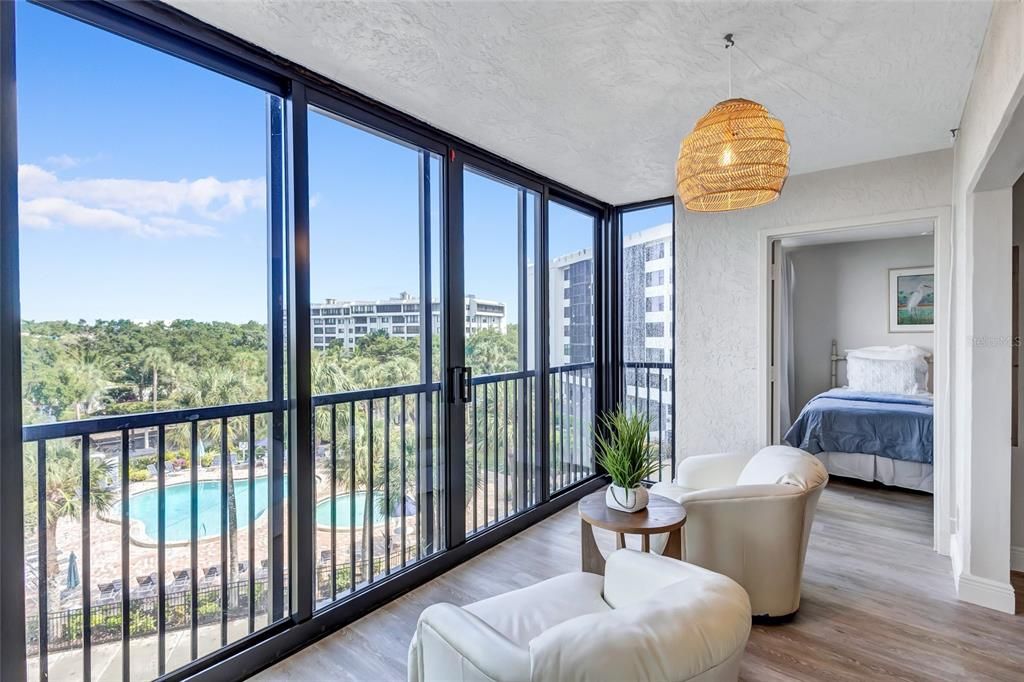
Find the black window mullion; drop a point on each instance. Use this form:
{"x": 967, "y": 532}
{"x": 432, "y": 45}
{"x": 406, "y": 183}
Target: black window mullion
{"x": 12, "y": 519}
{"x": 453, "y": 342}
{"x": 300, "y": 464}
{"x": 542, "y": 387}
{"x": 276, "y": 265}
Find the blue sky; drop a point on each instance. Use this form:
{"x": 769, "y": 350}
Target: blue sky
{"x": 143, "y": 192}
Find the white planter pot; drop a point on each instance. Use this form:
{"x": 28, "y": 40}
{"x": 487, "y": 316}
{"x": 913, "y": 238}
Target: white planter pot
{"x": 626, "y": 499}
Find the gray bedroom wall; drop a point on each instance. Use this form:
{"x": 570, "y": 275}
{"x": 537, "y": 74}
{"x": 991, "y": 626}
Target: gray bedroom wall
{"x": 841, "y": 292}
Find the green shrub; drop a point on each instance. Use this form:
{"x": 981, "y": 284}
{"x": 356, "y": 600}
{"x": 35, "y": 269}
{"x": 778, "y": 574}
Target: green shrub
{"x": 138, "y": 475}
{"x": 142, "y": 624}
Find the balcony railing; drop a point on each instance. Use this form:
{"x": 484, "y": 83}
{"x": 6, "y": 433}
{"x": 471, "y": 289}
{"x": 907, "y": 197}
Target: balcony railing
{"x": 648, "y": 391}
{"x": 123, "y": 491}
{"x": 383, "y": 444}
{"x": 180, "y": 518}
{"x": 163, "y": 534}
{"x": 500, "y": 448}
{"x": 571, "y": 405}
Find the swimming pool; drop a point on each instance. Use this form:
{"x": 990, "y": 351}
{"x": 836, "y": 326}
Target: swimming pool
{"x": 143, "y": 509}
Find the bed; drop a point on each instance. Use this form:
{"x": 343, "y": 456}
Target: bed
{"x": 873, "y": 435}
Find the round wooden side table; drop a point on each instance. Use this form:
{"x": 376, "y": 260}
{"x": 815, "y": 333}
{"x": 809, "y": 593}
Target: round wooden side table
{"x": 661, "y": 516}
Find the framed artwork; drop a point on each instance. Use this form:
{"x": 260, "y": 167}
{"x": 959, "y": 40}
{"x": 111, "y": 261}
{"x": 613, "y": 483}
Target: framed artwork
{"x": 912, "y": 299}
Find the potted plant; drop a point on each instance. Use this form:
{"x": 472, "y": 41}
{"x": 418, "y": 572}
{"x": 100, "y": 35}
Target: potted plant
{"x": 624, "y": 452}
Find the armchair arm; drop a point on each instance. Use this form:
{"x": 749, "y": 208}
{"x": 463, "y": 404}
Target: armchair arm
{"x": 451, "y": 641}
{"x": 739, "y": 493}
{"x": 631, "y": 576}
{"x": 711, "y": 471}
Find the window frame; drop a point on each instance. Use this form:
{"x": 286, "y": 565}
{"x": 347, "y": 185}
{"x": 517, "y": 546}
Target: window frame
{"x": 180, "y": 35}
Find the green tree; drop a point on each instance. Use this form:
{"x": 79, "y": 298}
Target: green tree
{"x": 63, "y": 493}
{"x": 155, "y": 360}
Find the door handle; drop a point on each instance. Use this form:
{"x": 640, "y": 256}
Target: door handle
{"x": 462, "y": 385}
{"x": 467, "y": 384}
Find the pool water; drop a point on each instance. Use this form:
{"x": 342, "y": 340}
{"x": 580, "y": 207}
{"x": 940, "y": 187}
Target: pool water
{"x": 344, "y": 513}
{"x": 143, "y": 507}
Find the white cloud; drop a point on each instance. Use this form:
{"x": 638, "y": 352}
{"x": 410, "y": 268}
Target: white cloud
{"x": 63, "y": 161}
{"x": 150, "y": 208}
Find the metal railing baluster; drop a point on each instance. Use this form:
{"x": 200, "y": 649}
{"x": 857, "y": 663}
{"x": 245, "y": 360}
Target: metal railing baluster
{"x": 476, "y": 468}
{"x": 225, "y": 462}
{"x": 334, "y": 502}
{"x": 125, "y": 543}
{"x": 86, "y": 561}
{"x": 352, "y": 496}
{"x": 43, "y": 587}
{"x": 505, "y": 429}
{"x": 419, "y": 469}
{"x": 404, "y": 487}
{"x": 561, "y": 427}
{"x": 161, "y": 549}
{"x": 368, "y": 506}
{"x": 387, "y": 486}
{"x": 487, "y": 445}
{"x": 251, "y": 572}
{"x": 194, "y": 542}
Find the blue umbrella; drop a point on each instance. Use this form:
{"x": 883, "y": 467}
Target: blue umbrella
{"x": 73, "y": 578}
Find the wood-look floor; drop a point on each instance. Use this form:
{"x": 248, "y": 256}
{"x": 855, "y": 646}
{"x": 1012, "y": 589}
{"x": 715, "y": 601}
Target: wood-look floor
{"x": 877, "y": 604}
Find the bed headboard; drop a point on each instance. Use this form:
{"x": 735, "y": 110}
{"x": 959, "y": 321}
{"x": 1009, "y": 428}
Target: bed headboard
{"x": 837, "y": 358}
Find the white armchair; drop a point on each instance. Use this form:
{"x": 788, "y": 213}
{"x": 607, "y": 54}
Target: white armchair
{"x": 648, "y": 618}
{"x": 750, "y": 518}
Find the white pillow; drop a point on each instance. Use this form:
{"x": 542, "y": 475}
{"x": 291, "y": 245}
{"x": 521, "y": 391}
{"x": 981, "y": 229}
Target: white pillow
{"x": 871, "y": 375}
{"x": 904, "y": 352}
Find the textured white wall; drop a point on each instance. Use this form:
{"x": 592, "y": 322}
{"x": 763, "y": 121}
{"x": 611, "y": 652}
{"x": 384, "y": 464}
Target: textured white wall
{"x": 981, "y": 279}
{"x": 842, "y": 293}
{"x": 717, "y": 287}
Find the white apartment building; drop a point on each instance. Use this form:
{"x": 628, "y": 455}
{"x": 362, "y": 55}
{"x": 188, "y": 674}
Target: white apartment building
{"x": 647, "y": 295}
{"x": 345, "y": 322}
{"x": 646, "y": 300}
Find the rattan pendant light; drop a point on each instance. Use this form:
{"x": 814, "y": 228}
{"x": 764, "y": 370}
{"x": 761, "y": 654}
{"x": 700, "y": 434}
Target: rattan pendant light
{"x": 736, "y": 157}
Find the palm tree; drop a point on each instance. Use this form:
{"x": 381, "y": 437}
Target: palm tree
{"x": 86, "y": 383}
{"x": 326, "y": 377}
{"x": 63, "y": 493}
{"x": 380, "y": 499}
{"x": 156, "y": 360}
{"x": 222, "y": 386}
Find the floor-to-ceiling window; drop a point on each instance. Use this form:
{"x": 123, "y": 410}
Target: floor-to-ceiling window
{"x": 499, "y": 237}
{"x": 375, "y": 361}
{"x": 571, "y": 342}
{"x": 648, "y": 322}
{"x": 147, "y": 214}
{"x": 182, "y": 219}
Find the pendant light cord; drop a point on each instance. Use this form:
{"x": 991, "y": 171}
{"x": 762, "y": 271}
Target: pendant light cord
{"x": 729, "y": 42}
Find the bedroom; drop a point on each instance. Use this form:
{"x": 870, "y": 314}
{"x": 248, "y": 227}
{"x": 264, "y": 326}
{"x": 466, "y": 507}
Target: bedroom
{"x": 855, "y": 312}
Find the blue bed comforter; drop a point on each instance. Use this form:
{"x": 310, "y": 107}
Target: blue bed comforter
{"x": 841, "y": 420}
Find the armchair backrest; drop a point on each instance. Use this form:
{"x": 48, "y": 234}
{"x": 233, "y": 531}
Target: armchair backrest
{"x": 669, "y": 621}
{"x": 781, "y": 464}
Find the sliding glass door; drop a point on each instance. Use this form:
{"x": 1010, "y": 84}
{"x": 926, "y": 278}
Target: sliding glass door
{"x": 499, "y": 236}
{"x": 375, "y": 361}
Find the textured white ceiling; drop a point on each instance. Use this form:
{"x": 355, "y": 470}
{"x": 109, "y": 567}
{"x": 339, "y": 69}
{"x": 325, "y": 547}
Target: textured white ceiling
{"x": 598, "y": 95}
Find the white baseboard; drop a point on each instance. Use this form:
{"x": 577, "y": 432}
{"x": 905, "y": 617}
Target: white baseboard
{"x": 1017, "y": 558}
{"x": 991, "y": 594}
{"x": 954, "y": 555}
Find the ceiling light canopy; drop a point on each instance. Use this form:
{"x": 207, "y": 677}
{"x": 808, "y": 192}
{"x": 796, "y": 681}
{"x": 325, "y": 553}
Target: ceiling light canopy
{"x": 737, "y": 156}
